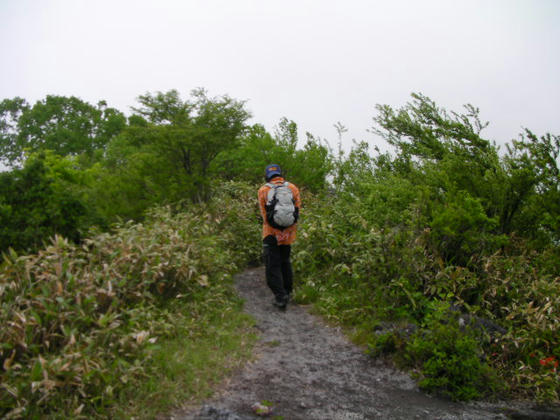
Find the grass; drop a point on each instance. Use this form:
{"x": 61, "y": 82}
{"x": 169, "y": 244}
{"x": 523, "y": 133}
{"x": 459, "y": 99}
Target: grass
{"x": 186, "y": 369}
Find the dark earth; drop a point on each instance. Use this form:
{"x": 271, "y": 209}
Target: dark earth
{"x": 306, "y": 369}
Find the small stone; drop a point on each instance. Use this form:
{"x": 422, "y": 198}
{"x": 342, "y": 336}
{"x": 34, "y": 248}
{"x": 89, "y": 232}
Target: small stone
{"x": 261, "y": 409}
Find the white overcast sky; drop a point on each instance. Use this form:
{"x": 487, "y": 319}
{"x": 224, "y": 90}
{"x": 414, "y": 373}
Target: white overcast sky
{"x": 316, "y": 62}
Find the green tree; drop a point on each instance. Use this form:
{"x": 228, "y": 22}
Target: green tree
{"x": 308, "y": 166}
{"x": 534, "y": 162}
{"x": 247, "y": 161}
{"x": 11, "y": 111}
{"x": 424, "y": 130}
{"x": 39, "y": 201}
{"x": 471, "y": 194}
{"x": 166, "y": 152}
{"x": 65, "y": 125}
{"x": 446, "y": 151}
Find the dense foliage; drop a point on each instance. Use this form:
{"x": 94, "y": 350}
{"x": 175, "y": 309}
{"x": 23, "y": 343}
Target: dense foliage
{"x": 81, "y": 324}
{"x": 445, "y": 254}
{"x": 87, "y": 166}
{"x": 46, "y": 197}
{"x": 66, "y": 126}
{"x": 308, "y": 167}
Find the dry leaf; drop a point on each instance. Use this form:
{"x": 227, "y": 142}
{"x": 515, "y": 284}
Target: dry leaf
{"x": 8, "y": 362}
{"x": 203, "y": 280}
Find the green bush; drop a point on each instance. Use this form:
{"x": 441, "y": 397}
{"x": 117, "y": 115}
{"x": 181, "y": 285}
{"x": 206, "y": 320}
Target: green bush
{"x": 39, "y": 201}
{"x": 386, "y": 343}
{"x": 358, "y": 273}
{"x": 80, "y": 322}
{"x": 461, "y": 230}
{"x": 307, "y": 167}
{"x": 451, "y": 359}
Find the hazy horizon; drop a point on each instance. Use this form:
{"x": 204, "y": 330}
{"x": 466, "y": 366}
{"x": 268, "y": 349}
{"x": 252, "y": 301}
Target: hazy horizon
{"x": 314, "y": 62}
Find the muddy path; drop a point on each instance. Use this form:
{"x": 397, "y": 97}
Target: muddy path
{"x": 306, "y": 369}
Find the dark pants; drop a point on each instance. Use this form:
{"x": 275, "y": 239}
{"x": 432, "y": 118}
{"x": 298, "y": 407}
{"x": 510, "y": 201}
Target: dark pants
{"x": 278, "y": 268}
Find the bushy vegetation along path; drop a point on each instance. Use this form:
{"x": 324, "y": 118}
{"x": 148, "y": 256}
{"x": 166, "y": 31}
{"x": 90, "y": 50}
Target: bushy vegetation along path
{"x": 305, "y": 369}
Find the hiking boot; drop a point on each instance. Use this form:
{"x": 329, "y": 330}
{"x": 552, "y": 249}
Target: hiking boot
{"x": 280, "y": 304}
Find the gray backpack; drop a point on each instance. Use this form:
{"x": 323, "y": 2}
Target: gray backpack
{"x": 281, "y": 211}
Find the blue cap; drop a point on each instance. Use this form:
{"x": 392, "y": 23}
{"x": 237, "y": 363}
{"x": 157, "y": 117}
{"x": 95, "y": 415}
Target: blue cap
{"x": 272, "y": 170}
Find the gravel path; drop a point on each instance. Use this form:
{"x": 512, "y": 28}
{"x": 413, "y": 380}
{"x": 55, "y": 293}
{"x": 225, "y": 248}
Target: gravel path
{"x": 308, "y": 370}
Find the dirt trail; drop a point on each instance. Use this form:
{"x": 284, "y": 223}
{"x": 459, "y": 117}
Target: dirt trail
{"x": 309, "y": 370}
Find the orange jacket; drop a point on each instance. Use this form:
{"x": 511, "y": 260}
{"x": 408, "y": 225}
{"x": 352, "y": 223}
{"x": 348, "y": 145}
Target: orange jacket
{"x": 288, "y": 235}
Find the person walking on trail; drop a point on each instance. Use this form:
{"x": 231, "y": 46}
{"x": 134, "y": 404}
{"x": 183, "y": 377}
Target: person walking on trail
{"x": 279, "y": 202}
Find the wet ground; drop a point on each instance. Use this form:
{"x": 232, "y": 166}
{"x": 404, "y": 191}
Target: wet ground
{"x": 306, "y": 369}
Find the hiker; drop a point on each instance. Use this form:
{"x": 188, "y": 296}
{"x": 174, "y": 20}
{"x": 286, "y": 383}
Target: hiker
{"x": 279, "y": 203}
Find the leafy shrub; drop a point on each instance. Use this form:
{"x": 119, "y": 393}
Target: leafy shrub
{"x": 461, "y": 230}
{"x": 79, "y": 322}
{"x": 523, "y": 293}
{"x": 37, "y": 202}
{"x": 307, "y": 167}
{"x": 385, "y": 343}
{"x": 451, "y": 360}
{"x": 445, "y": 220}
{"x": 358, "y": 274}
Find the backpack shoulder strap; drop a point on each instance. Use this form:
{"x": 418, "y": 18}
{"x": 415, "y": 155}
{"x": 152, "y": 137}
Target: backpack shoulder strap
{"x": 271, "y": 185}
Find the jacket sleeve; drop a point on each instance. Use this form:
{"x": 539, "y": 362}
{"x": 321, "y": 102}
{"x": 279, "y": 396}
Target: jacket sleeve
{"x": 263, "y": 191}
{"x": 297, "y": 197}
